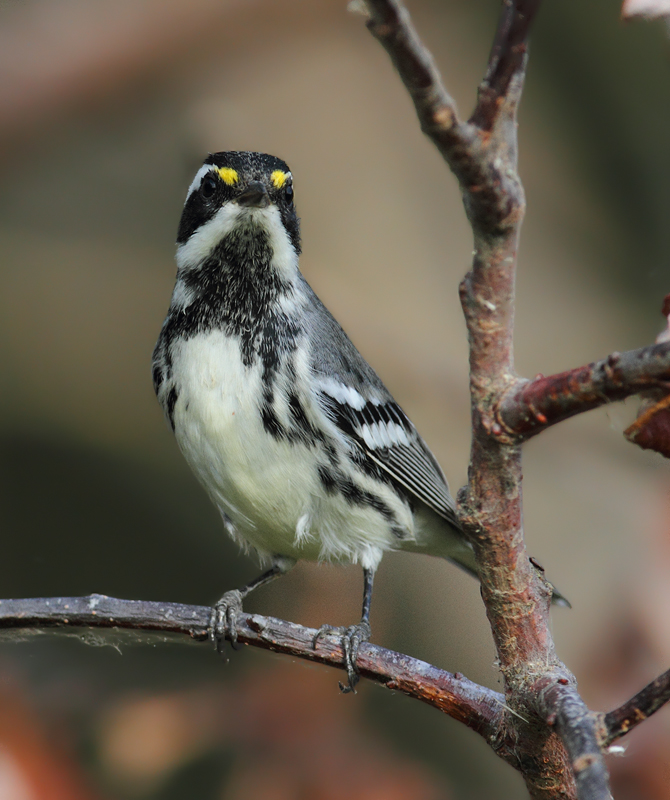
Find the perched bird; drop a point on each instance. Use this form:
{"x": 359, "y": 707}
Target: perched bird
{"x": 299, "y": 444}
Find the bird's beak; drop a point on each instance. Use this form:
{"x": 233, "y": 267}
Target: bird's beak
{"x": 254, "y": 196}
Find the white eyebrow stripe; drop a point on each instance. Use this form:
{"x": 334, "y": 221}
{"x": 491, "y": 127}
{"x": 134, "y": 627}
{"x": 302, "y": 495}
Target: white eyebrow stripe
{"x": 199, "y": 175}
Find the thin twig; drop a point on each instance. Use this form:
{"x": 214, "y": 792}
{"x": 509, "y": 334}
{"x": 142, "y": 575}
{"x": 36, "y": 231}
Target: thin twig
{"x": 532, "y": 406}
{"x": 506, "y": 59}
{"x": 645, "y": 703}
{"x": 475, "y": 706}
{"x": 489, "y": 192}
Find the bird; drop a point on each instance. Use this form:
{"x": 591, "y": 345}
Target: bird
{"x": 295, "y": 438}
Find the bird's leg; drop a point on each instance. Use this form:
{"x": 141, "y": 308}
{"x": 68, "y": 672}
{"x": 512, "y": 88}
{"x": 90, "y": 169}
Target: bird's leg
{"x": 223, "y": 619}
{"x": 353, "y": 636}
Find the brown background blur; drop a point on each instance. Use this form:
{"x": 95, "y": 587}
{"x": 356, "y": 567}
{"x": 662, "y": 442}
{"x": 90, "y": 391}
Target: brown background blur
{"x": 106, "y": 111}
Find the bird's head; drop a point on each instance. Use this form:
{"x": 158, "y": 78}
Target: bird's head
{"x": 235, "y": 196}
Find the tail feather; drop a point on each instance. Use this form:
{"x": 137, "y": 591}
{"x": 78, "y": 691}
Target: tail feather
{"x": 437, "y": 537}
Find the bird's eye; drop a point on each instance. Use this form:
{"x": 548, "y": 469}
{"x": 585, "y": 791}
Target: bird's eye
{"x": 208, "y": 187}
{"x": 288, "y": 193}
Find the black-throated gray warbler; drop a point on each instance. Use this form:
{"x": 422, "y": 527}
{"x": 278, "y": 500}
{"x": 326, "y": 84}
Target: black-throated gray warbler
{"x": 297, "y": 441}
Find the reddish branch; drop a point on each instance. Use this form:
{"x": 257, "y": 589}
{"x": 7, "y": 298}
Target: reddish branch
{"x": 651, "y": 429}
{"x": 645, "y": 703}
{"x": 482, "y": 153}
{"x": 531, "y": 406}
{"x": 475, "y": 706}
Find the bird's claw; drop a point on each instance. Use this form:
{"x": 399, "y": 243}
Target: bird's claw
{"x": 352, "y": 638}
{"x": 223, "y": 620}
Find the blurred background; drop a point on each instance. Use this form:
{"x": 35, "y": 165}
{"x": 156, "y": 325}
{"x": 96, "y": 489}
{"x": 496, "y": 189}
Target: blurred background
{"x": 106, "y": 111}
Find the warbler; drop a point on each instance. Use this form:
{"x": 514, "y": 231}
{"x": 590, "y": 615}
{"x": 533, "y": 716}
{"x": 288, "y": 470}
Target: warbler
{"x": 295, "y": 438}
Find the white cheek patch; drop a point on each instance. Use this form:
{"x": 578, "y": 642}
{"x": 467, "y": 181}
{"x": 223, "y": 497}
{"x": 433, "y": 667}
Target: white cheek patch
{"x": 285, "y": 259}
{"x": 200, "y": 244}
{"x": 230, "y": 216}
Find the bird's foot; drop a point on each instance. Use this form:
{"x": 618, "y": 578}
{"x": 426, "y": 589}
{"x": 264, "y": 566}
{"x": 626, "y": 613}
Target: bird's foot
{"x": 352, "y": 638}
{"x": 223, "y": 620}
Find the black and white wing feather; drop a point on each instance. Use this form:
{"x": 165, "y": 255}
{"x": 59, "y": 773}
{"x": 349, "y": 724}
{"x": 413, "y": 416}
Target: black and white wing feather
{"x": 355, "y": 399}
{"x": 385, "y": 437}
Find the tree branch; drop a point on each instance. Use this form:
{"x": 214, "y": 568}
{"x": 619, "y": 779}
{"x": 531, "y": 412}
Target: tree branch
{"x": 490, "y": 194}
{"x": 482, "y": 153}
{"x": 506, "y": 59}
{"x": 475, "y": 706}
{"x": 530, "y": 407}
{"x": 645, "y": 703}
{"x": 481, "y": 709}
{"x": 561, "y": 706}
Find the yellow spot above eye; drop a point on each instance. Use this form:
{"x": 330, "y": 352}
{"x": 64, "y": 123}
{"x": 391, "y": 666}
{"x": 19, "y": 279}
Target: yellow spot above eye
{"x": 229, "y": 176}
{"x": 278, "y": 178}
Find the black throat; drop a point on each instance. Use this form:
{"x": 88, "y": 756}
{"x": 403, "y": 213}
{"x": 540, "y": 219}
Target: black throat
{"x": 237, "y": 290}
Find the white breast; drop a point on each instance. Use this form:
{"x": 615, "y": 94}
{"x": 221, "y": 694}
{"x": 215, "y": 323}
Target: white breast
{"x": 268, "y": 487}
{"x": 219, "y": 429}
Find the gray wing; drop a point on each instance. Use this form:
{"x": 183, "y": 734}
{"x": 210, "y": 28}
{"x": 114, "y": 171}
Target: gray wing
{"x": 385, "y": 442}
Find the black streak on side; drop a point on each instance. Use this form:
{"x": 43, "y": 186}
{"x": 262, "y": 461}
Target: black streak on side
{"x": 170, "y": 404}
{"x": 334, "y": 481}
{"x": 271, "y": 422}
{"x": 157, "y": 372}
